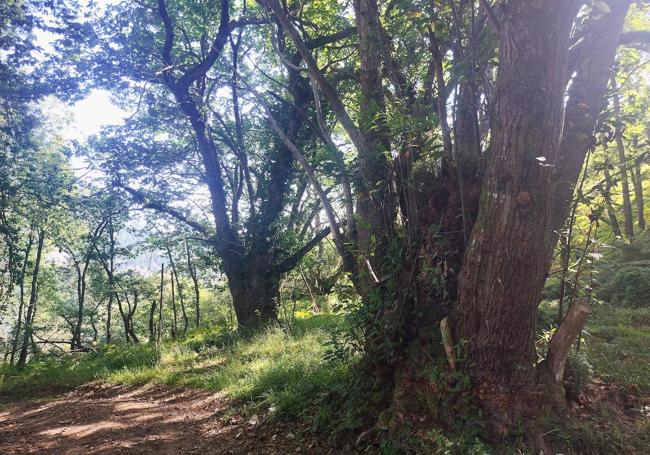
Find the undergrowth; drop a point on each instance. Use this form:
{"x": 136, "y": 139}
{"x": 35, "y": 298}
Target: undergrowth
{"x": 281, "y": 367}
{"x": 289, "y": 369}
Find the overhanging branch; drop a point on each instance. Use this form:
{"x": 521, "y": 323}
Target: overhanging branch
{"x": 292, "y": 261}
{"x": 158, "y": 206}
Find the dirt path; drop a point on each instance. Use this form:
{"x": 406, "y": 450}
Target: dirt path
{"x": 143, "y": 420}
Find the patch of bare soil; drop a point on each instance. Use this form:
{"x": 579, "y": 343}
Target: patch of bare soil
{"x": 101, "y": 419}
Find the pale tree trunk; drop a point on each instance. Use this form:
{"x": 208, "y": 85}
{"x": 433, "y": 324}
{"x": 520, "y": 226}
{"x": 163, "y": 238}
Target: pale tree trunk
{"x": 152, "y": 326}
{"x": 179, "y": 288}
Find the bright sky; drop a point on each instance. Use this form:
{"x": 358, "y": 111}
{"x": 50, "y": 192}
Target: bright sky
{"x": 91, "y": 114}
{"x": 96, "y": 110}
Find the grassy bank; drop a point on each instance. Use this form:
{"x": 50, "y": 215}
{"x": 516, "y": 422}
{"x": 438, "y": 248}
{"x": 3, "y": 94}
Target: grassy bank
{"x": 279, "y": 367}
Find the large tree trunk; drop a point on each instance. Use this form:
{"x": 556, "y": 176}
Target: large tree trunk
{"x": 31, "y": 308}
{"x": 505, "y": 266}
{"x": 254, "y": 293}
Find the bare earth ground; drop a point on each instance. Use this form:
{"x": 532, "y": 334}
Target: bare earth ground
{"x": 101, "y": 419}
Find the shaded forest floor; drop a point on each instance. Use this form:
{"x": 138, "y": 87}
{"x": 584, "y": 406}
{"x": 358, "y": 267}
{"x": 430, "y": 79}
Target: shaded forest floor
{"x": 109, "y": 419}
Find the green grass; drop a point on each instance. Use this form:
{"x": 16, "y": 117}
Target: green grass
{"x": 279, "y": 367}
{"x": 52, "y": 374}
{"x": 285, "y": 368}
{"x": 618, "y": 345}
{"x": 617, "y": 342}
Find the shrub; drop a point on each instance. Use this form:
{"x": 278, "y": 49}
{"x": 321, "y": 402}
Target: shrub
{"x": 629, "y": 286}
{"x": 551, "y": 289}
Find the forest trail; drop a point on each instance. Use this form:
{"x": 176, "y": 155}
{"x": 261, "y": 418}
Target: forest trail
{"x": 102, "y": 419}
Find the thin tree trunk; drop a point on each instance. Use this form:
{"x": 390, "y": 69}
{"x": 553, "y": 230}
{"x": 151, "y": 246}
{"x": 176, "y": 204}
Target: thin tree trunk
{"x": 109, "y": 311}
{"x": 152, "y": 326}
{"x": 21, "y": 305}
{"x": 132, "y": 311}
{"x": 160, "y": 303}
{"x": 109, "y": 272}
{"x": 81, "y": 300}
{"x": 174, "y": 327}
{"x": 638, "y": 194}
{"x": 94, "y": 327}
{"x": 192, "y": 270}
{"x": 125, "y": 319}
{"x": 607, "y": 195}
{"x": 180, "y": 290}
{"x": 31, "y": 309}
{"x": 628, "y": 220}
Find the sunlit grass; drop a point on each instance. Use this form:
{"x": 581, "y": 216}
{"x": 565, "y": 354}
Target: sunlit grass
{"x": 280, "y": 367}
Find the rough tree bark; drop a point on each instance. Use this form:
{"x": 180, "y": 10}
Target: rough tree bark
{"x": 592, "y": 63}
{"x": 505, "y": 265}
